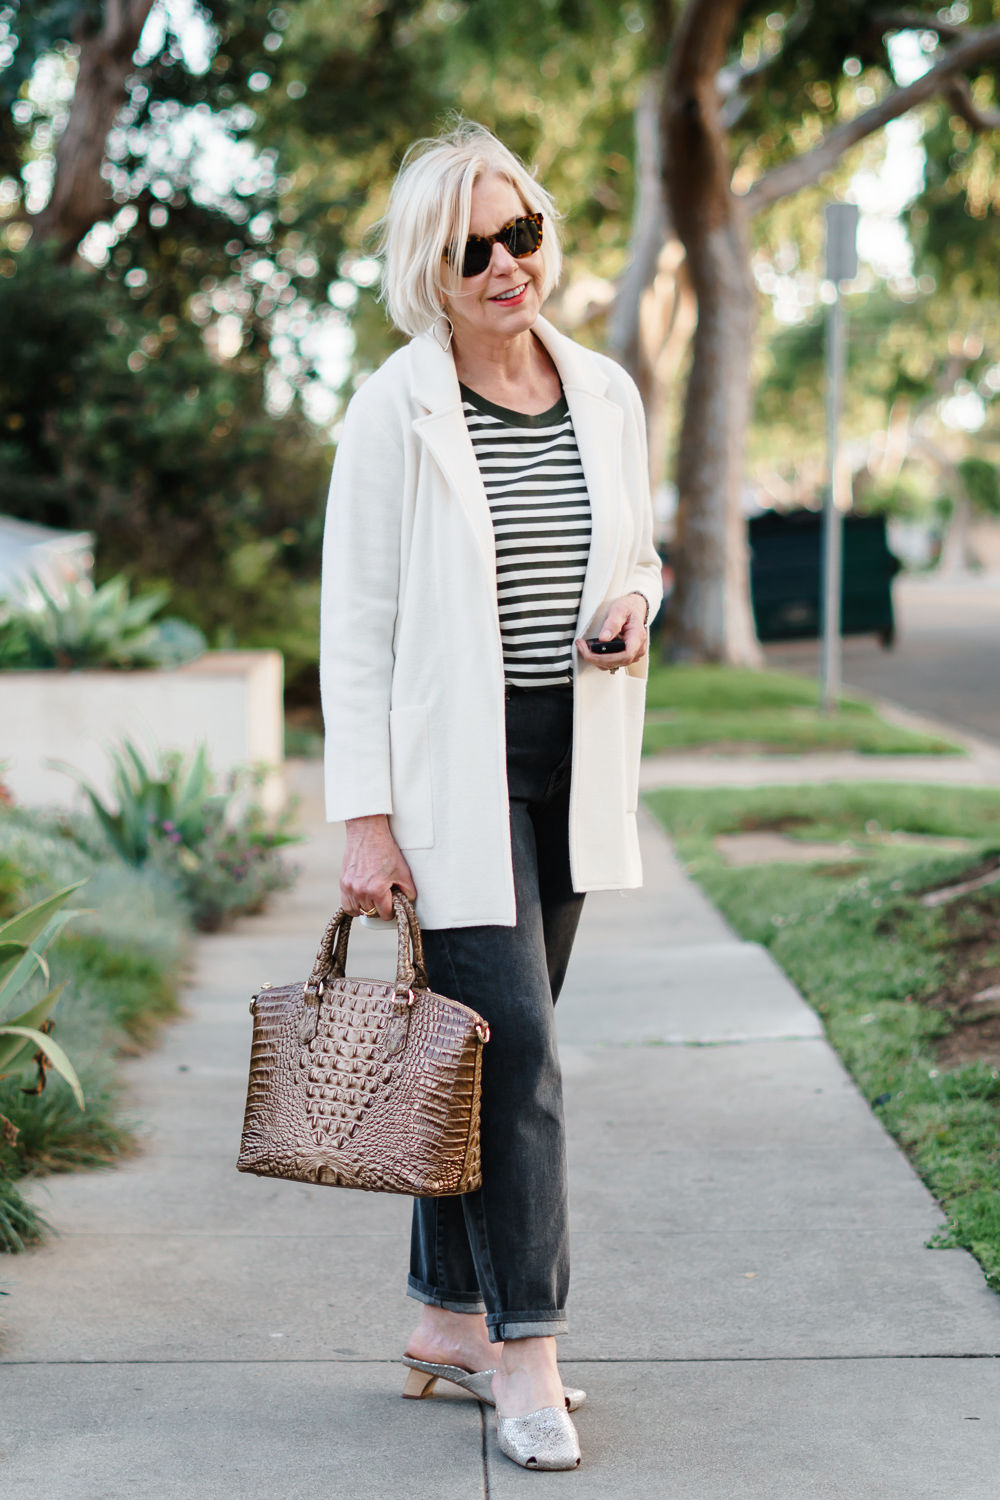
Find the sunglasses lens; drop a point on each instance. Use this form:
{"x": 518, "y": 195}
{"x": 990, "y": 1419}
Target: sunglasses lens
{"x": 477, "y": 257}
{"x": 522, "y": 238}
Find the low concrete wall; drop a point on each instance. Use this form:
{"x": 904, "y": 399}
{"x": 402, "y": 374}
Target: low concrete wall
{"x": 230, "y": 701}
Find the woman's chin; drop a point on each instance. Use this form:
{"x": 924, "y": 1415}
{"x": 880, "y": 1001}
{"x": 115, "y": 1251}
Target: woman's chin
{"x": 511, "y": 321}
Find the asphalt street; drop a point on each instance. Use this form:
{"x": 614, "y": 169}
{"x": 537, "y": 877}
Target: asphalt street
{"x": 946, "y": 659}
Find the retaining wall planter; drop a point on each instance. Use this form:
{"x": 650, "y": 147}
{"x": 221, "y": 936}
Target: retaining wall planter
{"x": 230, "y": 701}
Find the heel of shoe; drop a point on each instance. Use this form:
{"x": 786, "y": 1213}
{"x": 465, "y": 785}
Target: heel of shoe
{"x": 418, "y": 1384}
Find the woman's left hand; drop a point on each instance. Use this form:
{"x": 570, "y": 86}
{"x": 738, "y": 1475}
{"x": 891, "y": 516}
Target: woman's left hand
{"x": 625, "y": 617}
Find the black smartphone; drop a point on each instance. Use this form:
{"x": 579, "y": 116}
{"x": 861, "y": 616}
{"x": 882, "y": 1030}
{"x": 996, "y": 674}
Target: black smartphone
{"x": 606, "y": 648}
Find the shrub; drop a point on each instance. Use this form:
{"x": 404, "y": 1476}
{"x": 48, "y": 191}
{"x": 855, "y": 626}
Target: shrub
{"x": 24, "y": 940}
{"x": 121, "y": 963}
{"x": 101, "y": 627}
{"x": 219, "y": 849}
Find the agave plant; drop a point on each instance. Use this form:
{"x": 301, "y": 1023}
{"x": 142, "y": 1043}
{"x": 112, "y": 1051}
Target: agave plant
{"x": 101, "y": 627}
{"x": 173, "y": 803}
{"x": 219, "y": 849}
{"x": 24, "y": 939}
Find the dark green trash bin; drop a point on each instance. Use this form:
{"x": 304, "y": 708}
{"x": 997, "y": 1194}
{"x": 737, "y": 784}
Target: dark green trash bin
{"x": 786, "y": 576}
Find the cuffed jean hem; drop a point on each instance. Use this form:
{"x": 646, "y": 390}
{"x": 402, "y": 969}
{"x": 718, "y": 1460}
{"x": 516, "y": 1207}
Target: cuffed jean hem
{"x": 526, "y": 1325}
{"x": 457, "y": 1302}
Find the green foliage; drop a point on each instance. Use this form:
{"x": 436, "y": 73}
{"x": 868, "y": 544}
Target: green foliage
{"x": 982, "y": 484}
{"x": 100, "y": 627}
{"x": 872, "y": 960}
{"x": 10, "y": 884}
{"x": 173, "y": 803}
{"x": 24, "y": 941}
{"x": 952, "y": 221}
{"x": 168, "y": 454}
{"x": 219, "y": 849}
{"x": 901, "y": 361}
{"x": 121, "y": 965}
{"x": 908, "y": 495}
{"x": 21, "y": 1224}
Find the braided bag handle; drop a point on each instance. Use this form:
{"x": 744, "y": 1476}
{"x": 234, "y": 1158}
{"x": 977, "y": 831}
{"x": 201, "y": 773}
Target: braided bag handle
{"x": 411, "y": 968}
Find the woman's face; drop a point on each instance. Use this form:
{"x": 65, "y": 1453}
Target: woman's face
{"x": 482, "y": 310}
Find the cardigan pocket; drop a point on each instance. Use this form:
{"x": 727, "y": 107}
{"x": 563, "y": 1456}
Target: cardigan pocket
{"x": 412, "y": 820}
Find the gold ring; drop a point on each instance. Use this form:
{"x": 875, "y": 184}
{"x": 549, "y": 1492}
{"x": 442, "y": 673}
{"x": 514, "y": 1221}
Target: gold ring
{"x": 372, "y": 913}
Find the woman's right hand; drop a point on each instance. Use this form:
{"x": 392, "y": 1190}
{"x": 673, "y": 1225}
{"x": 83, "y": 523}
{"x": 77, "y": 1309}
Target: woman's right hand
{"x": 373, "y": 864}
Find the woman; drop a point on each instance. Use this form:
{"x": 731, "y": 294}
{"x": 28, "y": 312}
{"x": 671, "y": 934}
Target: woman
{"x": 489, "y": 513}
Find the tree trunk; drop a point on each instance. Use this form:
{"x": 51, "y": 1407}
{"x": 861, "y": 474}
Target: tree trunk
{"x": 958, "y": 555}
{"x": 710, "y": 615}
{"x": 80, "y": 196}
{"x": 668, "y": 316}
{"x": 650, "y": 230}
{"x": 651, "y": 318}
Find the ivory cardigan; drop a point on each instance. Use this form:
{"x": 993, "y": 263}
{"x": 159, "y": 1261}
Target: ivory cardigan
{"x": 411, "y": 665}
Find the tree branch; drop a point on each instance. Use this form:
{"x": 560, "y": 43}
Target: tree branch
{"x": 976, "y": 48}
{"x": 735, "y": 82}
{"x": 959, "y": 96}
{"x": 917, "y": 20}
{"x": 112, "y": 22}
{"x": 80, "y": 196}
{"x": 734, "y": 85}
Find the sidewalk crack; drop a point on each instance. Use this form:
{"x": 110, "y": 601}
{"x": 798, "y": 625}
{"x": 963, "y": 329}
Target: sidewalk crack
{"x": 486, "y": 1469}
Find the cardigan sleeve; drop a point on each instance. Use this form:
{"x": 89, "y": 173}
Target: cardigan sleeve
{"x": 358, "y": 603}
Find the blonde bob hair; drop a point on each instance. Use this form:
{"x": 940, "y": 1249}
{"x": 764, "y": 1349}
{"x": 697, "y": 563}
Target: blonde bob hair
{"x": 429, "y": 209}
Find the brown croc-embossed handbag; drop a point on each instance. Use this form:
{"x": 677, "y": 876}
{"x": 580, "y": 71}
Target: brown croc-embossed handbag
{"x": 365, "y": 1084}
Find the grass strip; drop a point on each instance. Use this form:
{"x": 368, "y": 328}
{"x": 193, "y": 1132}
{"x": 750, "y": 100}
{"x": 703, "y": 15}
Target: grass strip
{"x": 735, "y": 708}
{"x": 892, "y": 979}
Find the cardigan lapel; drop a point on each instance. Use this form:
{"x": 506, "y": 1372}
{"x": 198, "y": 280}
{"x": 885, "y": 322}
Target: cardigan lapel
{"x": 597, "y": 423}
{"x": 444, "y": 433}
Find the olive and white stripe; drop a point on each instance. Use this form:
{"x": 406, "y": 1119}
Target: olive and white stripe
{"x": 537, "y": 494}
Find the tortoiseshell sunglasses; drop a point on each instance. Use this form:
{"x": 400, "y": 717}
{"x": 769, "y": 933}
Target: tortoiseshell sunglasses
{"x": 521, "y": 237}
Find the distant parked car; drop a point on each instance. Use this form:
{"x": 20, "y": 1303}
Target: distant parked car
{"x": 786, "y": 576}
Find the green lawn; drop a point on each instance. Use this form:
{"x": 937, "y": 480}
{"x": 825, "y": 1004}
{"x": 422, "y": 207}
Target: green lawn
{"x": 891, "y": 979}
{"x": 693, "y": 707}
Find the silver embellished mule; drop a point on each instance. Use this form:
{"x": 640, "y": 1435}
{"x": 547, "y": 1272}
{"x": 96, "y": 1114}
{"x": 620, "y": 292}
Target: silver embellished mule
{"x": 423, "y": 1375}
{"x": 544, "y": 1439}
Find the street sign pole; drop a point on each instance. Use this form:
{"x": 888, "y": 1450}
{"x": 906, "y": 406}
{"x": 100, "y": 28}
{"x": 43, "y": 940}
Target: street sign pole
{"x": 833, "y": 522}
{"x": 841, "y": 265}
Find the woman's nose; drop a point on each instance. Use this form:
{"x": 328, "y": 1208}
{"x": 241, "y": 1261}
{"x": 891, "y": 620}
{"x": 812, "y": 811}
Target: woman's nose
{"x": 503, "y": 261}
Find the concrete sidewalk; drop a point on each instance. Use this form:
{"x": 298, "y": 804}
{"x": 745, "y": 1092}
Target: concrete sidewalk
{"x": 754, "y": 1312}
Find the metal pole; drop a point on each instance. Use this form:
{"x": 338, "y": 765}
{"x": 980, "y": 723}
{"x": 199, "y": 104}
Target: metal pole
{"x": 833, "y": 521}
{"x": 841, "y": 265}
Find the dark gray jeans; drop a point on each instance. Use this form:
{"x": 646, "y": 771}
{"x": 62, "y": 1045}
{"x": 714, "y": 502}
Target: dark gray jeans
{"x": 504, "y": 1250}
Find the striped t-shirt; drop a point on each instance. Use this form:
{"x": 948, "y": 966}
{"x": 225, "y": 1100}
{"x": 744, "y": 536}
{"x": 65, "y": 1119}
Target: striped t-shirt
{"x": 538, "y": 499}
